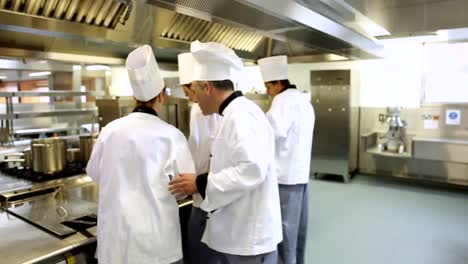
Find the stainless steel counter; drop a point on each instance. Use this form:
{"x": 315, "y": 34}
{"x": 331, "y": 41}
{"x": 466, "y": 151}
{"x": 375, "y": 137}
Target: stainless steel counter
{"x": 22, "y": 242}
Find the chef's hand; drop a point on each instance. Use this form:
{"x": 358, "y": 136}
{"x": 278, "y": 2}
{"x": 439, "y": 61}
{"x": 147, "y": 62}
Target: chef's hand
{"x": 183, "y": 185}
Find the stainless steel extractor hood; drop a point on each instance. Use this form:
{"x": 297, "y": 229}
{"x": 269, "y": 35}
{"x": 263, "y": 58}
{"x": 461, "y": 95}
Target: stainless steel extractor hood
{"x": 186, "y": 28}
{"x": 254, "y": 28}
{"x": 284, "y": 21}
{"x": 102, "y": 13}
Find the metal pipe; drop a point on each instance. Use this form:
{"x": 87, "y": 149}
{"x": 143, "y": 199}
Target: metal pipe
{"x": 269, "y": 47}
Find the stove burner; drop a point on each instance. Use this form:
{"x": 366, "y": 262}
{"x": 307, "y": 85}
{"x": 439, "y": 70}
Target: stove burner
{"x": 71, "y": 169}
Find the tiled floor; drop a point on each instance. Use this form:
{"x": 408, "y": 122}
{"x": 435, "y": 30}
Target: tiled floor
{"x": 375, "y": 221}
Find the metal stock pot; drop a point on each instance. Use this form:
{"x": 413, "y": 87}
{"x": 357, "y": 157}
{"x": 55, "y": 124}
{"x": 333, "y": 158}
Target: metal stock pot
{"x": 49, "y": 155}
{"x": 86, "y": 146}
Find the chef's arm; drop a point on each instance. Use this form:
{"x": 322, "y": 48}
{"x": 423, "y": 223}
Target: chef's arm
{"x": 278, "y": 117}
{"x": 92, "y": 168}
{"x": 202, "y": 181}
{"x": 183, "y": 161}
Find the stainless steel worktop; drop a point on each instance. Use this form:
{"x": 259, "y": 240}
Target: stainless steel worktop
{"x": 21, "y": 242}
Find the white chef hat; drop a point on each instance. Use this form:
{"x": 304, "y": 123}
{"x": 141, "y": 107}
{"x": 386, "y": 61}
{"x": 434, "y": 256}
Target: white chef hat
{"x": 214, "y": 62}
{"x": 274, "y": 68}
{"x": 186, "y": 67}
{"x": 144, "y": 74}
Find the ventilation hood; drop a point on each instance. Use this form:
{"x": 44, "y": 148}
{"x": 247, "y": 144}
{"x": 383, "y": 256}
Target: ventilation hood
{"x": 283, "y": 21}
{"x": 110, "y": 29}
{"x": 101, "y": 13}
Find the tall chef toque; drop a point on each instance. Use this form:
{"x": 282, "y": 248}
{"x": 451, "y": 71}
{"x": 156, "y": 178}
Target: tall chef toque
{"x": 274, "y": 68}
{"x": 144, "y": 74}
{"x": 215, "y": 62}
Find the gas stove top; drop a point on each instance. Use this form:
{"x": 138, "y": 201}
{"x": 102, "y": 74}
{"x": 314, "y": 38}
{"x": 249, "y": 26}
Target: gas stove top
{"x": 28, "y": 174}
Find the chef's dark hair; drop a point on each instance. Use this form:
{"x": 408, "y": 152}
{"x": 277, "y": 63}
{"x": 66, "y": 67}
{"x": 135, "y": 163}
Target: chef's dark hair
{"x": 225, "y": 85}
{"x": 150, "y": 102}
{"x": 282, "y": 82}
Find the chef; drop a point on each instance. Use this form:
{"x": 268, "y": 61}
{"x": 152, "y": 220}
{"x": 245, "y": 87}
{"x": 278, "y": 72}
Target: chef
{"x": 133, "y": 161}
{"x": 202, "y": 132}
{"x": 292, "y": 117}
{"x": 240, "y": 192}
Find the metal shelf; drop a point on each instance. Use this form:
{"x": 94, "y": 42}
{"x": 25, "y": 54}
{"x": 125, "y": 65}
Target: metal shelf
{"x": 377, "y": 151}
{"x": 33, "y": 131}
{"x": 19, "y": 115}
{"x": 51, "y": 94}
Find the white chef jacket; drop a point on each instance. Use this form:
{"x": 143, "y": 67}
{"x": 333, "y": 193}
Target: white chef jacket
{"x": 138, "y": 218}
{"x": 292, "y": 117}
{"x": 242, "y": 187}
{"x": 202, "y": 132}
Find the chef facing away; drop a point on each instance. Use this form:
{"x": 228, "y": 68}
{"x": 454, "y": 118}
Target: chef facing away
{"x": 133, "y": 161}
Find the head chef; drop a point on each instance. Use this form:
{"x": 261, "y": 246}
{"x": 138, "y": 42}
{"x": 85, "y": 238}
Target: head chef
{"x": 240, "y": 191}
{"x": 215, "y": 69}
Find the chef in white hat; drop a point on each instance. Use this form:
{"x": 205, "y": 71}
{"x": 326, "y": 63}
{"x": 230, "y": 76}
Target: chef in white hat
{"x": 133, "y": 161}
{"x": 240, "y": 191}
{"x": 202, "y": 131}
{"x": 292, "y": 117}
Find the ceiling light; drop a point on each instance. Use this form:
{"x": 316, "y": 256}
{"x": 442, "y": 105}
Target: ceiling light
{"x": 76, "y": 67}
{"x": 2, "y": 77}
{"x": 97, "y": 67}
{"x": 410, "y": 39}
{"x": 35, "y": 74}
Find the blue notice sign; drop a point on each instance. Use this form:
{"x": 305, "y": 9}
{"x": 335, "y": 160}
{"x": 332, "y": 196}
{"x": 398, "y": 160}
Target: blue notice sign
{"x": 453, "y": 115}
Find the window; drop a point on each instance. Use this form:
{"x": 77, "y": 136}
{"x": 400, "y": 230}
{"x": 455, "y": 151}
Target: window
{"x": 446, "y": 73}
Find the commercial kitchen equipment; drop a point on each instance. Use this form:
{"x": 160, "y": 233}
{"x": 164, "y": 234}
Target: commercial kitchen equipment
{"x": 395, "y": 136}
{"x": 175, "y": 111}
{"x": 86, "y": 146}
{"x": 334, "y": 148}
{"x": 19, "y": 121}
{"x": 49, "y": 155}
{"x": 73, "y": 155}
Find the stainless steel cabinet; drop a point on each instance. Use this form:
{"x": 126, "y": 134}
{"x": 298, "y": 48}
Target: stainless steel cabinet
{"x": 334, "y": 148}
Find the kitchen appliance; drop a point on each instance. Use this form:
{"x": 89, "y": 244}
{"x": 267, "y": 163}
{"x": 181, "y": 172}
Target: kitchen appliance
{"x": 49, "y": 155}
{"x": 13, "y": 160}
{"x": 29, "y": 174}
{"x": 86, "y": 146}
{"x": 28, "y": 161}
{"x": 73, "y": 155}
{"x": 335, "y": 146}
{"x": 395, "y": 136}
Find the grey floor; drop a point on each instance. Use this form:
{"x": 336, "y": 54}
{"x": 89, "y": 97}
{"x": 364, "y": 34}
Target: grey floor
{"x": 374, "y": 221}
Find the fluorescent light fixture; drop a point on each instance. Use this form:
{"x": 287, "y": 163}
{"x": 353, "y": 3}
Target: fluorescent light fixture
{"x": 76, "y": 67}
{"x": 35, "y": 74}
{"x": 411, "y": 38}
{"x": 2, "y": 77}
{"x": 97, "y": 67}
